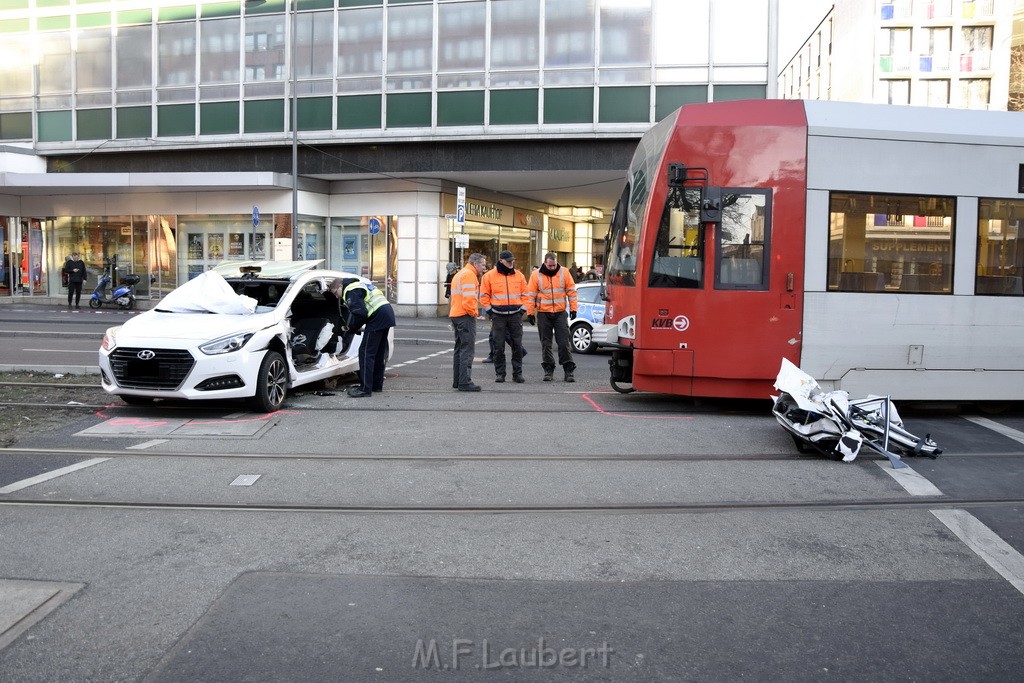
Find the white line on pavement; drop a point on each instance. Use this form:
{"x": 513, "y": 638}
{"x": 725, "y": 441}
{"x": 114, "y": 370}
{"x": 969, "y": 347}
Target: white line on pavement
{"x": 1009, "y": 432}
{"x": 914, "y": 483}
{"x": 46, "y": 476}
{"x": 147, "y": 444}
{"x": 995, "y": 551}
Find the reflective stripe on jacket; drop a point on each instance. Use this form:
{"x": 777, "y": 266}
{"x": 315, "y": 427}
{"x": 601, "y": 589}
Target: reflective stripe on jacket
{"x": 372, "y": 297}
{"x": 549, "y": 293}
{"x": 465, "y": 293}
{"x": 503, "y": 294}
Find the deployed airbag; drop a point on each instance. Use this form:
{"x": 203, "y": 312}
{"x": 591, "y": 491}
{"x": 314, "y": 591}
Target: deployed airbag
{"x": 208, "y": 292}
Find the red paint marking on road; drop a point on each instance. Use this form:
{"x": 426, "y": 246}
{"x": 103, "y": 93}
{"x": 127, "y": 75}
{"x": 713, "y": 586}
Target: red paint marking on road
{"x": 586, "y": 397}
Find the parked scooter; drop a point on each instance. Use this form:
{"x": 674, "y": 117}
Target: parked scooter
{"x": 123, "y": 296}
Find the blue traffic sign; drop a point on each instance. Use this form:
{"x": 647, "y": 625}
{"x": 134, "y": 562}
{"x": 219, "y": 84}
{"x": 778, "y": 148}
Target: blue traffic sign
{"x": 255, "y": 216}
{"x": 460, "y": 213}
{"x": 374, "y": 226}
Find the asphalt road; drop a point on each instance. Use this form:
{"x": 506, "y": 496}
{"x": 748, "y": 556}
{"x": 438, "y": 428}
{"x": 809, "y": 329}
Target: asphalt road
{"x": 544, "y": 531}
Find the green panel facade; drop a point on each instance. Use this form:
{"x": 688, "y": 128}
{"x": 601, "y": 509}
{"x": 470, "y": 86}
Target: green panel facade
{"x": 568, "y": 105}
{"x": 360, "y": 3}
{"x": 14, "y": 26}
{"x": 178, "y": 13}
{"x": 93, "y": 124}
{"x": 93, "y": 20}
{"x": 54, "y": 23}
{"x": 264, "y": 116}
{"x": 175, "y": 119}
{"x": 668, "y": 98}
{"x": 728, "y": 93}
{"x": 314, "y": 4}
{"x": 221, "y": 9}
{"x": 315, "y": 113}
{"x": 218, "y": 118}
{"x": 460, "y": 108}
{"x": 359, "y": 111}
{"x": 135, "y": 16}
{"x": 134, "y": 122}
{"x": 514, "y": 107}
{"x": 54, "y": 126}
{"x": 13, "y": 4}
{"x": 624, "y": 105}
{"x": 16, "y": 126}
{"x": 408, "y": 110}
{"x": 268, "y": 7}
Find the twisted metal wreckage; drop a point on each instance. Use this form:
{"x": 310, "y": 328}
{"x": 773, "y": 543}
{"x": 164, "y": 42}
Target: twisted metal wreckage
{"x": 832, "y": 424}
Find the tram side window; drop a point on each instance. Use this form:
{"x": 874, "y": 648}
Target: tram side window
{"x": 622, "y": 244}
{"x": 679, "y": 247}
{"x": 890, "y": 243}
{"x": 1000, "y": 248}
{"x": 743, "y": 240}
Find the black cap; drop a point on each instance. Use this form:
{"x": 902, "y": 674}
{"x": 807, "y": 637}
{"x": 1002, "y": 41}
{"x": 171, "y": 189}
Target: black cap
{"x": 506, "y": 256}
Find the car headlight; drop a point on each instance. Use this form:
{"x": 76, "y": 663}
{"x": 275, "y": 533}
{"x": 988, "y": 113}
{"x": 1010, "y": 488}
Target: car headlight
{"x": 225, "y": 344}
{"x": 110, "y": 338}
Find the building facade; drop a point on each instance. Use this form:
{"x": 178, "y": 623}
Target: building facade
{"x": 163, "y": 136}
{"x": 940, "y": 53}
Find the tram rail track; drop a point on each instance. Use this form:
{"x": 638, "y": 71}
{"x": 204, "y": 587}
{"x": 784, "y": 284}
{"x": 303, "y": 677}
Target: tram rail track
{"x": 880, "y": 504}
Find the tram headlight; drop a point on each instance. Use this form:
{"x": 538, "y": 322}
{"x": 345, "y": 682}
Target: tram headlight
{"x": 110, "y": 338}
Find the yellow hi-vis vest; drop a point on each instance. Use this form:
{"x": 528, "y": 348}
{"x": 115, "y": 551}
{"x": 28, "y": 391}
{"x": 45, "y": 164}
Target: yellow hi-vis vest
{"x": 374, "y": 297}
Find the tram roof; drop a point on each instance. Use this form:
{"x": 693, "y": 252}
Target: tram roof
{"x": 901, "y": 122}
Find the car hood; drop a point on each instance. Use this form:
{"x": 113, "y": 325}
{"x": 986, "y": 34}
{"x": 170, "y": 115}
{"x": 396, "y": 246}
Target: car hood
{"x": 157, "y": 327}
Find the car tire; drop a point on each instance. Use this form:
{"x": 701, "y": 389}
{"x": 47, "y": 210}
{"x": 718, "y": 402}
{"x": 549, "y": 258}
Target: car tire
{"x": 582, "y": 338}
{"x": 271, "y": 384}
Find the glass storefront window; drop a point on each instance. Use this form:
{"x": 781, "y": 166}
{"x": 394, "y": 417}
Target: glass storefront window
{"x": 1000, "y": 247}
{"x": 890, "y": 243}
{"x": 312, "y": 239}
{"x": 205, "y": 241}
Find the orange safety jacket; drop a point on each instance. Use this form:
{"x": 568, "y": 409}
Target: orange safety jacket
{"x": 465, "y": 293}
{"x": 549, "y": 293}
{"x": 503, "y": 294}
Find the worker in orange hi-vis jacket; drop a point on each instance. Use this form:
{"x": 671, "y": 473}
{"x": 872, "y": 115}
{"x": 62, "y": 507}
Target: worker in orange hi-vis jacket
{"x": 551, "y": 293}
{"x": 463, "y": 312}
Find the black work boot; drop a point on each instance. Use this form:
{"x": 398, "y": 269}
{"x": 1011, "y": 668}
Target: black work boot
{"x": 568, "y": 376}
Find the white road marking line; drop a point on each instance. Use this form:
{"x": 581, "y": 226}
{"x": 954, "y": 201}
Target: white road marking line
{"x": 245, "y": 479}
{"x": 46, "y": 476}
{"x": 61, "y": 350}
{"x": 147, "y": 444}
{"x": 1008, "y": 432}
{"x": 986, "y": 544}
{"x": 914, "y": 483}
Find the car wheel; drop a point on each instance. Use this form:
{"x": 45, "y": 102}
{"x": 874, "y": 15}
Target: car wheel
{"x": 271, "y": 383}
{"x": 582, "y": 339}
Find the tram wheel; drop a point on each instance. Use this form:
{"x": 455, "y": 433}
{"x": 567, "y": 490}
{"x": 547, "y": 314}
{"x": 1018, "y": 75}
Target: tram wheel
{"x": 622, "y": 388}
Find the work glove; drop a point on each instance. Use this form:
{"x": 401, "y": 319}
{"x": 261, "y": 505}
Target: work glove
{"x": 532, "y": 319}
{"x": 572, "y": 315}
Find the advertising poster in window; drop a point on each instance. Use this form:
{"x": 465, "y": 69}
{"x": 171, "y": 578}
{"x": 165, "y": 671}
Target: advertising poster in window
{"x": 195, "y": 246}
{"x": 257, "y": 246}
{"x": 215, "y": 246}
{"x": 349, "y": 248}
{"x": 236, "y": 245}
{"x": 311, "y": 246}
{"x": 194, "y": 269}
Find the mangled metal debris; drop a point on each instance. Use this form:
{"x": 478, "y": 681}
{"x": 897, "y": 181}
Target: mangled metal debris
{"x": 832, "y": 424}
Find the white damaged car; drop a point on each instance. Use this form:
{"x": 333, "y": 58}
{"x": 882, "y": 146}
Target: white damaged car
{"x": 248, "y": 330}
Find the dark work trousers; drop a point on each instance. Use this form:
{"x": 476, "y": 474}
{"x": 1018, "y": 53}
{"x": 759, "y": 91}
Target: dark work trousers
{"x": 74, "y": 289}
{"x": 465, "y": 345}
{"x": 507, "y": 328}
{"x": 556, "y": 325}
{"x": 490, "y": 342}
{"x": 373, "y": 350}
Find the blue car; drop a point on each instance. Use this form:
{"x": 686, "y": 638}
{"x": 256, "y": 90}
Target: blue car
{"x": 589, "y": 315}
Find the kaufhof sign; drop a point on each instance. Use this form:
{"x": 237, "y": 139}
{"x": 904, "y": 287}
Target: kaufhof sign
{"x": 494, "y": 214}
{"x": 559, "y": 235}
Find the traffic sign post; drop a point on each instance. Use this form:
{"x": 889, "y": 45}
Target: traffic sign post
{"x": 255, "y": 224}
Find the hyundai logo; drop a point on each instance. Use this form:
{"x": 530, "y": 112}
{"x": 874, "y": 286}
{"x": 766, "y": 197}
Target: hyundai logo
{"x": 146, "y": 354}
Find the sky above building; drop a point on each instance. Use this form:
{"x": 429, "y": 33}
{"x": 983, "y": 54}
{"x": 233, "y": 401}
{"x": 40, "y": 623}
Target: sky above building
{"x": 797, "y": 18}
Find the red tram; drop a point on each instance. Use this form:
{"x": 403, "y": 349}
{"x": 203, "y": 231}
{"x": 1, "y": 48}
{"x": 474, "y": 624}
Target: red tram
{"x": 877, "y": 247}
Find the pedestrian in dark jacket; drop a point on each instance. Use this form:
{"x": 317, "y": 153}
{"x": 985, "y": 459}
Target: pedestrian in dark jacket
{"x": 74, "y": 269}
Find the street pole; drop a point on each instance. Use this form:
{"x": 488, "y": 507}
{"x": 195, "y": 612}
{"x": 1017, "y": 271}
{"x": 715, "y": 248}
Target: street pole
{"x": 293, "y": 13}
